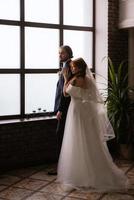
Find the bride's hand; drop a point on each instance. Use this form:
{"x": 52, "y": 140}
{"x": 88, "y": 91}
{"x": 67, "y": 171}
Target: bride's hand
{"x": 65, "y": 73}
{"x": 73, "y": 80}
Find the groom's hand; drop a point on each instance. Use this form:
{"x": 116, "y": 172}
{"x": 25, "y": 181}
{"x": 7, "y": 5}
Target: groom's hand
{"x": 58, "y": 115}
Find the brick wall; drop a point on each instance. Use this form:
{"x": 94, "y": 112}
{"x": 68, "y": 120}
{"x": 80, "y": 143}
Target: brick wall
{"x": 117, "y": 47}
{"x": 27, "y": 143}
{"x": 117, "y": 39}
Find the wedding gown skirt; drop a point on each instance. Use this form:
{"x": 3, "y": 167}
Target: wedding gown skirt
{"x": 85, "y": 161}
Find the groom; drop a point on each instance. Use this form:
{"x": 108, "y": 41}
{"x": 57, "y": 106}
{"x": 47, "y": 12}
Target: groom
{"x": 62, "y": 102}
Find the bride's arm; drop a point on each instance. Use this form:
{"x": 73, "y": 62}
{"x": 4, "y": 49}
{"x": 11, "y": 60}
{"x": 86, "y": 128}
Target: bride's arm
{"x": 67, "y": 83}
{"x": 64, "y": 89}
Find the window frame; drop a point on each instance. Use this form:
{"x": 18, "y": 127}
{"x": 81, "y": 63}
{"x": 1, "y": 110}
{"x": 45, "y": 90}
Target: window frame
{"x": 22, "y": 70}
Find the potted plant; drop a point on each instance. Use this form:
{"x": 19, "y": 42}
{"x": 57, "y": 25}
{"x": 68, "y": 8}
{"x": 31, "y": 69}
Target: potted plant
{"x": 120, "y": 108}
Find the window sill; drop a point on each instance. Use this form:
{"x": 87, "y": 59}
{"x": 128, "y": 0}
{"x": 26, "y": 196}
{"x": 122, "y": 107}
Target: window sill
{"x": 12, "y": 121}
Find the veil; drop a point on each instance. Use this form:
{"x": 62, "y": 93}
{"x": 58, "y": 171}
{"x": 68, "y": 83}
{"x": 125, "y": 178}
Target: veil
{"x": 106, "y": 130}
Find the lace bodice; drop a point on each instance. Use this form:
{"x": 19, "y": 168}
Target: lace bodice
{"x": 80, "y": 93}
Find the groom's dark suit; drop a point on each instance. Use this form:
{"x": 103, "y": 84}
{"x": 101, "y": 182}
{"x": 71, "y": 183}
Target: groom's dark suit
{"x": 61, "y": 104}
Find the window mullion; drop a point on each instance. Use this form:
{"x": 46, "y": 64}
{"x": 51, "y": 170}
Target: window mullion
{"x": 61, "y": 22}
{"x": 22, "y": 60}
{"x": 94, "y": 33}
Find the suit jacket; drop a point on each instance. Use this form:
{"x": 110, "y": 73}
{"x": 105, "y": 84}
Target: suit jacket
{"x": 62, "y": 102}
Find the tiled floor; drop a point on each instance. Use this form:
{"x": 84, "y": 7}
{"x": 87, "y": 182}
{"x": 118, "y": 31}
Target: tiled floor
{"x": 33, "y": 183}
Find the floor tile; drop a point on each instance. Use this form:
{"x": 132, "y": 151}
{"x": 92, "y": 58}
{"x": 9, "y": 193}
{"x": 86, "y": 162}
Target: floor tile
{"x": 85, "y": 195}
{"x": 118, "y": 197}
{"x": 79, "y": 194}
{"x": 131, "y": 191}
{"x": 8, "y": 180}
{"x": 124, "y": 165}
{"x": 31, "y": 184}
{"x": 131, "y": 183}
{"x": 2, "y": 187}
{"x": 95, "y": 196}
{"x": 130, "y": 175}
{"x": 26, "y": 181}
{"x": 124, "y": 168}
{"x": 15, "y": 193}
{"x": 44, "y": 196}
{"x": 54, "y": 188}
{"x": 22, "y": 173}
{"x": 72, "y": 198}
{"x": 123, "y": 162}
{"x": 42, "y": 175}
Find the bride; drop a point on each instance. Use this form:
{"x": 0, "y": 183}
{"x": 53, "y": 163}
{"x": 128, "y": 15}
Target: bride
{"x": 85, "y": 162}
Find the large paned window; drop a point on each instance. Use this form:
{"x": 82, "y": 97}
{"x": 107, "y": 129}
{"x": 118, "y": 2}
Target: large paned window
{"x": 30, "y": 35}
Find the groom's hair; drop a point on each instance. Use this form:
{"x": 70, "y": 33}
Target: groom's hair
{"x": 68, "y": 50}
{"x": 81, "y": 64}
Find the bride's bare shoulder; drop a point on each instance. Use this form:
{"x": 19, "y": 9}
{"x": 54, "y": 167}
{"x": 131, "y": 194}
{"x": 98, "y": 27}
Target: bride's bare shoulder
{"x": 80, "y": 82}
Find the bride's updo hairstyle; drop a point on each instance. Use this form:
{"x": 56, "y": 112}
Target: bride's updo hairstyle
{"x": 82, "y": 66}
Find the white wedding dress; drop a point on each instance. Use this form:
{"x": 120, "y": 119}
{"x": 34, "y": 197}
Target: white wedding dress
{"x": 85, "y": 161}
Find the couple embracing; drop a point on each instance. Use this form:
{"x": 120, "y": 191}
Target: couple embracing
{"x": 84, "y": 161}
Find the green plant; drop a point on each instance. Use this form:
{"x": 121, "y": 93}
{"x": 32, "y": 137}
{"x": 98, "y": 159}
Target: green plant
{"x": 119, "y": 105}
